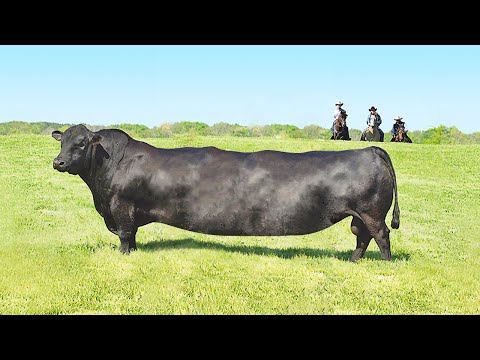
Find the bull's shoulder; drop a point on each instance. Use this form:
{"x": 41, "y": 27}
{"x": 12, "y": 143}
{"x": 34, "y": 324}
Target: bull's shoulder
{"x": 113, "y": 133}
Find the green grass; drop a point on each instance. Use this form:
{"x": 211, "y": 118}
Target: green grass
{"x": 57, "y": 256}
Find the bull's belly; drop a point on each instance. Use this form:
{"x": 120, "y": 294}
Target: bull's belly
{"x": 288, "y": 208}
{"x": 250, "y": 223}
{"x": 265, "y": 231}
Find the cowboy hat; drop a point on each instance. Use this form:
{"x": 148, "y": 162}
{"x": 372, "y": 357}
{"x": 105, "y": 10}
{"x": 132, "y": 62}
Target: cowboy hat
{"x": 372, "y": 108}
{"x": 398, "y": 118}
{"x": 339, "y": 103}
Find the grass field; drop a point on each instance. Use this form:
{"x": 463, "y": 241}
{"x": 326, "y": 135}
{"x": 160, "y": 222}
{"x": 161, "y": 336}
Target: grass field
{"x": 57, "y": 256}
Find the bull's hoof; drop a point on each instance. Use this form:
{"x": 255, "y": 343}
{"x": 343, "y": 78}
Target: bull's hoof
{"x": 387, "y": 256}
{"x": 124, "y": 249}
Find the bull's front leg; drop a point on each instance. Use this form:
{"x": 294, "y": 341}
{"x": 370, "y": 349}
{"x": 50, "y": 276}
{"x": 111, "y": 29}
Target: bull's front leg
{"x": 123, "y": 214}
{"x": 103, "y": 208}
{"x": 111, "y": 226}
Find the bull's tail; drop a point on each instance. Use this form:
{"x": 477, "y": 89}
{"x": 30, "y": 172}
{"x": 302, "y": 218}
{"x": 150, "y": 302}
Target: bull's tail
{"x": 396, "y": 210}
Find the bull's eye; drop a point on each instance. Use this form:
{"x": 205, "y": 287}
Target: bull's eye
{"x": 82, "y": 144}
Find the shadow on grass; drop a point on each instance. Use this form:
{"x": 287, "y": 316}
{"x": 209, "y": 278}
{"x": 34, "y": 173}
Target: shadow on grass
{"x": 288, "y": 253}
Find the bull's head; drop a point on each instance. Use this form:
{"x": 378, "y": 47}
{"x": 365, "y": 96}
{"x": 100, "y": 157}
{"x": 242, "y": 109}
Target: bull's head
{"x": 76, "y": 148}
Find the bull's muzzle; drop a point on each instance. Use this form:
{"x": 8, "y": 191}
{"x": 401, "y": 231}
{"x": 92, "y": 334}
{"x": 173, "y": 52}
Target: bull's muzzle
{"x": 59, "y": 164}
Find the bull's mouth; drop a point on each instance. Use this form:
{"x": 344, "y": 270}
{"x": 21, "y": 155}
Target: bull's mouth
{"x": 68, "y": 170}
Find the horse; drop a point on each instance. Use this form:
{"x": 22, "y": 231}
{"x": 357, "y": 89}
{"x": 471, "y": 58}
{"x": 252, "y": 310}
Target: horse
{"x": 401, "y": 135}
{"x": 372, "y": 133}
{"x": 340, "y": 129}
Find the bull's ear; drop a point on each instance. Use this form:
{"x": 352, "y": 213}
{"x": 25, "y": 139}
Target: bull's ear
{"x": 57, "y": 135}
{"x": 95, "y": 139}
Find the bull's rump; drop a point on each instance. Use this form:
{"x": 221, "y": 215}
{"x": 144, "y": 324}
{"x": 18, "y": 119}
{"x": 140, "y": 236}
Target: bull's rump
{"x": 213, "y": 191}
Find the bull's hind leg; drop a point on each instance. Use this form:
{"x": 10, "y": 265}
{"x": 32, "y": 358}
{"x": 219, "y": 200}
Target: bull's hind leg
{"x": 363, "y": 238}
{"x": 381, "y": 234}
{"x": 122, "y": 213}
{"x": 132, "y": 242}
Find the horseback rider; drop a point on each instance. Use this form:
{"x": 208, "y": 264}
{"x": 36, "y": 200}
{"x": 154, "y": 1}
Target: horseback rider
{"x": 378, "y": 120}
{"x": 336, "y": 114}
{"x": 396, "y": 125}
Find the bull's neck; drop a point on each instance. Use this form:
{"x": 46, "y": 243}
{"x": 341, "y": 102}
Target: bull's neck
{"x": 95, "y": 176}
{"x": 93, "y": 167}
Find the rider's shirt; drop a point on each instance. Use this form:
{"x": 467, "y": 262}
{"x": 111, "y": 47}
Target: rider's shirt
{"x": 337, "y": 113}
{"x": 395, "y": 128}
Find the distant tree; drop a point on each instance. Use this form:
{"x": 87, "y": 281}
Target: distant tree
{"x": 220, "y": 129}
{"x": 22, "y": 127}
{"x": 458, "y": 137}
{"x": 435, "y": 135}
{"x": 279, "y": 130}
{"x": 475, "y": 137}
{"x": 417, "y": 136}
{"x": 185, "y": 127}
{"x": 296, "y": 134}
{"x": 134, "y": 130}
{"x": 19, "y": 127}
{"x": 285, "y": 129}
{"x": 313, "y": 132}
{"x": 162, "y": 131}
{"x": 256, "y": 131}
{"x": 242, "y": 131}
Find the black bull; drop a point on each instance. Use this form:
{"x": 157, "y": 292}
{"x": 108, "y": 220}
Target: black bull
{"x": 212, "y": 191}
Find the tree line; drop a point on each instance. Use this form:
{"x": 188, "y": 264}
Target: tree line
{"x": 435, "y": 135}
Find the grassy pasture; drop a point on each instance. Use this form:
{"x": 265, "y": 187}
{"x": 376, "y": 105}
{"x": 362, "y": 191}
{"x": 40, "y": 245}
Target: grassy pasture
{"x": 57, "y": 256}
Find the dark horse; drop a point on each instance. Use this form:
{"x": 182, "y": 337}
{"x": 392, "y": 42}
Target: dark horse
{"x": 401, "y": 135}
{"x": 340, "y": 128}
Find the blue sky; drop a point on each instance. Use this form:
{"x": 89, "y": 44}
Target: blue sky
{"x": 250, "y": 85}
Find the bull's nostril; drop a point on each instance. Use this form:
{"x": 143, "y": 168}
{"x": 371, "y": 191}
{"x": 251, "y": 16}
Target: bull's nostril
{"x": 58, "y": 164}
